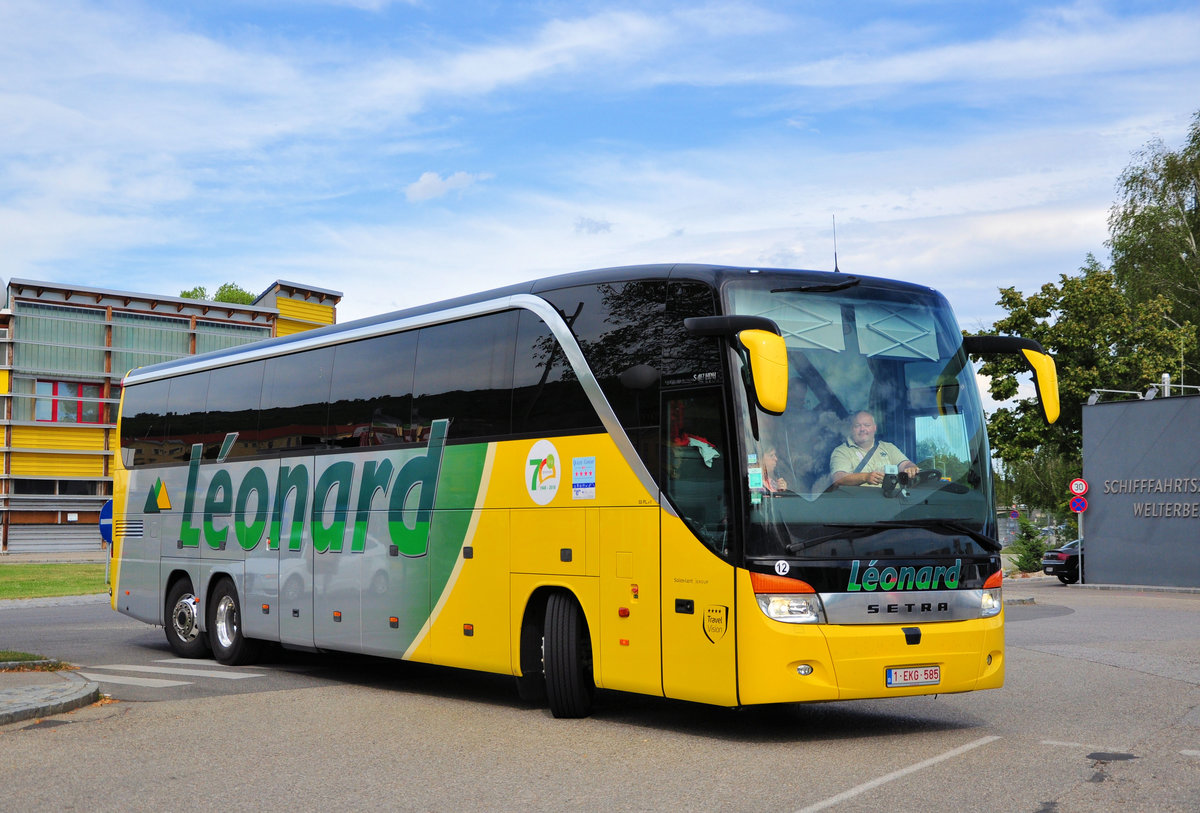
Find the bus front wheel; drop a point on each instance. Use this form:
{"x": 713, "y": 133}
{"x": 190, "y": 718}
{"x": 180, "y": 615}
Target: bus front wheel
{"x": 183, "y": 621}
{"x": 568, "y": 658}
{"x": 229, "y": 645}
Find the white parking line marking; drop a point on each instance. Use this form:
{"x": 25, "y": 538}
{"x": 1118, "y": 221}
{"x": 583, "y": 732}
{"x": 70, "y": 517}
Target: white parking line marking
{"x": 190, "y": 661}
{"x": 126, "y": 680}
{"x": 1190, "y": 753}
{"x": 883, "y": 780}
{"x": 170, "y": 670}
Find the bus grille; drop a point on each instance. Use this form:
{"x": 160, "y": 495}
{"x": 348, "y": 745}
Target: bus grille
{"x": 130, "y": 528}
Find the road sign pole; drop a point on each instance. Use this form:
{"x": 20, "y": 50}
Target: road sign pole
{"x": 1082, "y": 542}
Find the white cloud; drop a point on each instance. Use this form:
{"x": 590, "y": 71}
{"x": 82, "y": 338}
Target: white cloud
{"x": 589, "y": 225}
{"x": 431, "y": 185}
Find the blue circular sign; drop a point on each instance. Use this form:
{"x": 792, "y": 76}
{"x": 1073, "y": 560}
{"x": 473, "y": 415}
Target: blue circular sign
{"x": 106, "y": 522}
{"x": 1078, "y": 504}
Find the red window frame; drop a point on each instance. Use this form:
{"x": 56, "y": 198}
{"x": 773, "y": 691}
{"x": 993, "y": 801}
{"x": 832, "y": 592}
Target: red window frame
{"x": 67, "y": 398}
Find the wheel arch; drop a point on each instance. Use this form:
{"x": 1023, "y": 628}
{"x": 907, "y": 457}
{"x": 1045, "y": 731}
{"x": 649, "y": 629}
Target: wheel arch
{"x": 175, "y": 576}
{"x": 533, "y": 619}
{"x": 211, "y": 580}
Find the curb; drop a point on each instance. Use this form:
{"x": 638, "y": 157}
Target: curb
{"x": 43, "y": 701}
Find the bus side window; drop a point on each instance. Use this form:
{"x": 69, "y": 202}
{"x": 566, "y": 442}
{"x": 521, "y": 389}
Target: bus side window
{"x": 186, "y": 398}
{"x": 144, "y": 424}
{"x": 697, "y": 480}
{"x": 295, "y": 397}
{"x": 464, "y": 374}
{"x": 233, "y": 398}
{"x": 374, "y": 402}
{"x": 547, "y": 398}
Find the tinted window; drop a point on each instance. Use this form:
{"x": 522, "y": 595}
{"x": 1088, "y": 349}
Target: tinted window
{"x": 464, "y": 373}
{"x": 186, "y": 397}
{"x": 295, "y": 401}
{"x": 547, "y": 397}
{"x": 689, "y": 359}
{"x": 372, "y": 391}
{"x": 233, "y": 398}
{"x": 144, "y": 423}
{"x": 619, "y": 327}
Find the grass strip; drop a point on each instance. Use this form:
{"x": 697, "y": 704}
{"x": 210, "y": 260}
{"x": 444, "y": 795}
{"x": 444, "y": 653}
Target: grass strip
{"x": 50, "y": 580}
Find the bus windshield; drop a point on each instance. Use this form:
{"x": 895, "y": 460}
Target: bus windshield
{"x": 864, "y": 354}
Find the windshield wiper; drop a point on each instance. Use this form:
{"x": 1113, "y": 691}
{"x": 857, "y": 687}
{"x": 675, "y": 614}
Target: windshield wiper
{"x": 852, "y": 532}
{"x": 858, "y": 531}
{"x": 819, "y": 287}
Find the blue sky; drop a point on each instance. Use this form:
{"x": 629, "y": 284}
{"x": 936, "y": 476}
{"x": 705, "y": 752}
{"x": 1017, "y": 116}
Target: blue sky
{"x": 403, "y": 152}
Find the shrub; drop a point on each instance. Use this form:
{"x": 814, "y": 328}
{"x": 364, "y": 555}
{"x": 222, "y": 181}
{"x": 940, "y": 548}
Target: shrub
{"x": 1029, "y": 547}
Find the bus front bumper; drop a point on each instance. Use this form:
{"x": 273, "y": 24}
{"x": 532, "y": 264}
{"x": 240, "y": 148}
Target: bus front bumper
{"x": 796, "y": 663}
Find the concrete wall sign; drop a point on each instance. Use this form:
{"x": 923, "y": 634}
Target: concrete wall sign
{"x": 1142, "y": 459}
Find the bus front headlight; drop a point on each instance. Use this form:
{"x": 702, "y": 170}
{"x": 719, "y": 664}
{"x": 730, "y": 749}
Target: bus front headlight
{"x": 793, "y": 608}
{"x": 789, "y": 600}
{"x": 991, "y": 602}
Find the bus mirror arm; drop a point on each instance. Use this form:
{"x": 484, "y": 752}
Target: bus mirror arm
{"x": 728, "y": 326}
{"x": 1040, "y": 363}
{"x": 763, "y": 352}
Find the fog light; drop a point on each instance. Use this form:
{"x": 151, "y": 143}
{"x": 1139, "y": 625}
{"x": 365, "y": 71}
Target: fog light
{"x": 804, "y": 670}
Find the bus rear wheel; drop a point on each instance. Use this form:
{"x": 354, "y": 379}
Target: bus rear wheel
{"x": 229, "y": 645}
{"x": 568, "y": 658}
{"x": 183, "y": 621}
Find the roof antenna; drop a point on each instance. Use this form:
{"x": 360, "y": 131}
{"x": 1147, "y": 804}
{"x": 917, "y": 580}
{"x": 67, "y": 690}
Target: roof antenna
{"x": 836, "y": 270}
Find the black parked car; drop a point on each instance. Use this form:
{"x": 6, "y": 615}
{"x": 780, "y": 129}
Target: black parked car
{"x": 1063, "y": 562}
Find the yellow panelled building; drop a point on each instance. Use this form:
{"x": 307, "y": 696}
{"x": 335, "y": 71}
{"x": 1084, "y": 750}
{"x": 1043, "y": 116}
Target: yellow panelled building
{"x": 64, "y": 350}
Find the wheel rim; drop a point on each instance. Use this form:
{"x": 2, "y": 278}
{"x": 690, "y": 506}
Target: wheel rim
{"x": 183, "y": 618}
{"x": 226, "y": 621}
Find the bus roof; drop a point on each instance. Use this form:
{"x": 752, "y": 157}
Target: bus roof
{"x": 714, "y": 275}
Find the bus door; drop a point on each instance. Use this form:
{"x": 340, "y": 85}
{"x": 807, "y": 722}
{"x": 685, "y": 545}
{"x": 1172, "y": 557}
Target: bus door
{"x": 699, "y": 653}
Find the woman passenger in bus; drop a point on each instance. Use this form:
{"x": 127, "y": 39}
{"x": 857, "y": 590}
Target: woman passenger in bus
{"x": 774, "y": 479}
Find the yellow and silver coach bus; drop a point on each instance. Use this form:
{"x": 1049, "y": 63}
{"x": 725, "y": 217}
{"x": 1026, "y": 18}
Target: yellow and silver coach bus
{"x": 616, "y": 479}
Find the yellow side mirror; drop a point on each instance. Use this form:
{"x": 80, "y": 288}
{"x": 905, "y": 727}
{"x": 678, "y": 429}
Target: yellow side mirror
{"x": 768, "y": 367}
{"x": 1041, "y": 363}
{"x": 1045, "y": 378}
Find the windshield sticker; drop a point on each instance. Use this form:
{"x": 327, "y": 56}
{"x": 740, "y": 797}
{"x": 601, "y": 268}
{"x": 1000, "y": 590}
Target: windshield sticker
{"x": 782, "y": 567}
{"x": 755, "y": 476}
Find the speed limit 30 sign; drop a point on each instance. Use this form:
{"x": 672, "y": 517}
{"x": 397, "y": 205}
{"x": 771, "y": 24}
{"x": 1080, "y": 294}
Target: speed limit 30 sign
{"x": 1078, "y": 487}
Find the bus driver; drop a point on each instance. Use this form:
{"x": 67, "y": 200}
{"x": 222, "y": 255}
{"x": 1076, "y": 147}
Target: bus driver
{"x": 862, "y": 460}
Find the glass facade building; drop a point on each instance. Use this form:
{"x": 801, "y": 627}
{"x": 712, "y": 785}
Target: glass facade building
{"x": 64, "y": 351}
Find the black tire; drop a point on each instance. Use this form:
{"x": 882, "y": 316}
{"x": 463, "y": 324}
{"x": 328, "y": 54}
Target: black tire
{"x": 1068, "y": 579}
{"x": 229, "y": 645}
{"x": 568, "y": 658}
{"x": 182, "y": 621}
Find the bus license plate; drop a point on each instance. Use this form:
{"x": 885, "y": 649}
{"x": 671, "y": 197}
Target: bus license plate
{"x": 914, "y": 676}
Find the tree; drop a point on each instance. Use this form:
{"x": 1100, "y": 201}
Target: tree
{"x": 1028, "y": 546}
{"x": 1100, "y": 340}
{"x": 1040, "y": 480}
{"x": 229, "y": 292}
{"x": 1155, "y": 227}
{"x": 234, "y": 293}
